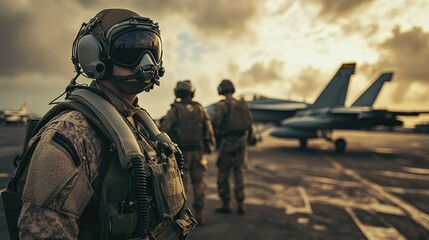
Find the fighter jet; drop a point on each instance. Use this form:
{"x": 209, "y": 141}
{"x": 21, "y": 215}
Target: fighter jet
{"x": 268, "y": 110}
{"x": 320, "y": 122}
{"x": 273, "y": 110}
{"x": 15, "y": 116}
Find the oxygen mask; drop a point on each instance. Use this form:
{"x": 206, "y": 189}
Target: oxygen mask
{"x": 141, "y": 52}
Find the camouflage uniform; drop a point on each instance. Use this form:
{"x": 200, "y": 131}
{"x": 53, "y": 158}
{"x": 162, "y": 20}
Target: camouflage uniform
{"x": 195, "y": 165}
{"x": 232, "y": 154}
{"x": 59, "y": 184}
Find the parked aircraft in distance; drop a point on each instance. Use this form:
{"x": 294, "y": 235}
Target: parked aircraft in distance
{"x": 15, "y": 116}
{"x": 320, "y": 122}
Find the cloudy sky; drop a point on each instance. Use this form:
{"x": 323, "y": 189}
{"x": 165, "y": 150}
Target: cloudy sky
{"x": 281, "y": 48}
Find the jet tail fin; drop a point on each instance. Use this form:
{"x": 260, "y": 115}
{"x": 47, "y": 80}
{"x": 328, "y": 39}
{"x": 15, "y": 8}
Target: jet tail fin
{"x": 368, "y": 97}
{"x": 23, "y": 108}
{"x": 334, "y": 94}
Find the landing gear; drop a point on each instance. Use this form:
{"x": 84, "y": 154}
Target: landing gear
{"x": 340, "y": 145}
{"x": 303, "y": 142}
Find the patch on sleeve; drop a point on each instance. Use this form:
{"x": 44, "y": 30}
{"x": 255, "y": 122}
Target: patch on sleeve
{"x": 68, "y": 146}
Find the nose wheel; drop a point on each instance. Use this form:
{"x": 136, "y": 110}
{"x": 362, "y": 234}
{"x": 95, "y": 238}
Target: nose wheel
{"x": 340, "y": 145}
{"x": 303, "y": 143}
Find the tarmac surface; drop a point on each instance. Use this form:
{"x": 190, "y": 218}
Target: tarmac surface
{"x": 377, "y": 189}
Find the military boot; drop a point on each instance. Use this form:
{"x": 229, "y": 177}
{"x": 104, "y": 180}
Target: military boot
{"x": 240, "y": 207}
{"x": 225, "y": 209}
{"x": 199, "y": 216}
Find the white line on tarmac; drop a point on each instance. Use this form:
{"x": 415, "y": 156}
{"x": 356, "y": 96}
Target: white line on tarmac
{"x": 304, "y": 195}
{"x": 374, "y": 232}
{"x": 416, "y": 170}
{"x": 407, "y": 190}
{"x": 402, "y": 175}
{"x": 331, "y": 181}
{"x": 418, "y": 216}
{"x": 378, "y": 207}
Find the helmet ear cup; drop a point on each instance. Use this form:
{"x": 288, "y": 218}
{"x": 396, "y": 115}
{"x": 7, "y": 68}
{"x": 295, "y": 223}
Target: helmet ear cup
{"x": 226, "y": 86}
{"x": 219, "y": 90}
{"x": 88, "y": 56}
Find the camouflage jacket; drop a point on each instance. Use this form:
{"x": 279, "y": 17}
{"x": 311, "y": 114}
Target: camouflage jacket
{"x": 60, "y": 179}
{"x": 171, "y": 122}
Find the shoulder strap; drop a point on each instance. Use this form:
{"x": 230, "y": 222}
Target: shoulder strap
{"x": 21, "y": 161}
{"x": 200, "y": 108}
{"x": 114, "y": 124}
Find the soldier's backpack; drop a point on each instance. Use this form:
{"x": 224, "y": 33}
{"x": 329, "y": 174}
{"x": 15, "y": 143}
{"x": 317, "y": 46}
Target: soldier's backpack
{"x": 114, "y": 224}
{"x": 238, "y": 120}
{"x": 188, "y": 130}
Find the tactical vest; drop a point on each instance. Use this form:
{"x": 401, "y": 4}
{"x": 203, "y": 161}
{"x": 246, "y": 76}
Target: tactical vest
{"x": 188, "y": 130}
{"x": 238, "y": 120}
{"x": 141, "y": 190}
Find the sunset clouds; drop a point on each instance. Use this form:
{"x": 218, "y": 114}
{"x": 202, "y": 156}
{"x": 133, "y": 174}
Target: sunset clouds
{"x": 282, "y": 48}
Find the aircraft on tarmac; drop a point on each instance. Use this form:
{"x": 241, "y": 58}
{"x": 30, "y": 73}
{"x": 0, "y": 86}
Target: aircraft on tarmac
{"x": 274, "y": 110}
{"x": 15, "y": 116}
{"x": 304, "y": 121}
{"x": 333, "y": 95}
{"x": 320, "y": 122}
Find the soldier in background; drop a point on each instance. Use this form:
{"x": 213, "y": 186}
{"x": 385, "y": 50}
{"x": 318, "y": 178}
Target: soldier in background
{"x": 233, "y": 121}
{"x": 189, "y": 126}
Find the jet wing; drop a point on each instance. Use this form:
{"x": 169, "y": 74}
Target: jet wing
{"x": 414, "y": 113}
{"x": 288, "y": 107}
{"x": 373, "y": 112}
{"x": 274, "y": 113}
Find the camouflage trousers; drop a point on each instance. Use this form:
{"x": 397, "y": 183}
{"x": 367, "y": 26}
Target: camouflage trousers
{"x": 232, "y": 158}
{"x": 195, "y": 170}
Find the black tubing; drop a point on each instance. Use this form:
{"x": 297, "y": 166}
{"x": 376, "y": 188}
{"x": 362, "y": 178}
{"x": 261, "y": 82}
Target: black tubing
{"x": 142, "y": 201}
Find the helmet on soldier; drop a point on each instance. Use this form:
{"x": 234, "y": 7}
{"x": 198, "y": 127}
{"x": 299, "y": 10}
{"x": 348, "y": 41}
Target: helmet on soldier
{"x": 122, "y": 38}
{"x": 184, "y": 89}
{"x": 226, "y": 86}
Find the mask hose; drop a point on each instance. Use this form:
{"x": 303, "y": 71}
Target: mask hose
{"x": 142, "y": 204}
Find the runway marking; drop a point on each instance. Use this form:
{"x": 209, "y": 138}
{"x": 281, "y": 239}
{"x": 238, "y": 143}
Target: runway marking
{"x": 416, "y": 170}
{"x": 403, "y": 175}
{"x": 418, "y": 216}
{"x": 375, "y": 232}
{"x": 331, "y": 181}
{"x": 378, "y": 207}
{"x": 408, "y": 190}
{"x": 304, "y": 195}
{"x": 384, "y": 150}
{"x": 291, "y": 199}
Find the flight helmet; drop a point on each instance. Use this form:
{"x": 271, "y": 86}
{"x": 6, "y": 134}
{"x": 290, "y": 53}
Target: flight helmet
{"x": 226, "y": 86}
{"x": 184, "y": 89}
{"x": 120, "y": 37}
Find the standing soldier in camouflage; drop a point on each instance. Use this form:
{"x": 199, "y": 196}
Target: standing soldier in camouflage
{"x": 189, "y": 126}
{"x": 81, "y": 184}
{"x": 233, "y": 122}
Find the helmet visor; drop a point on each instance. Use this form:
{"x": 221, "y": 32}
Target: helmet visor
{"x": 128, "y": 49}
